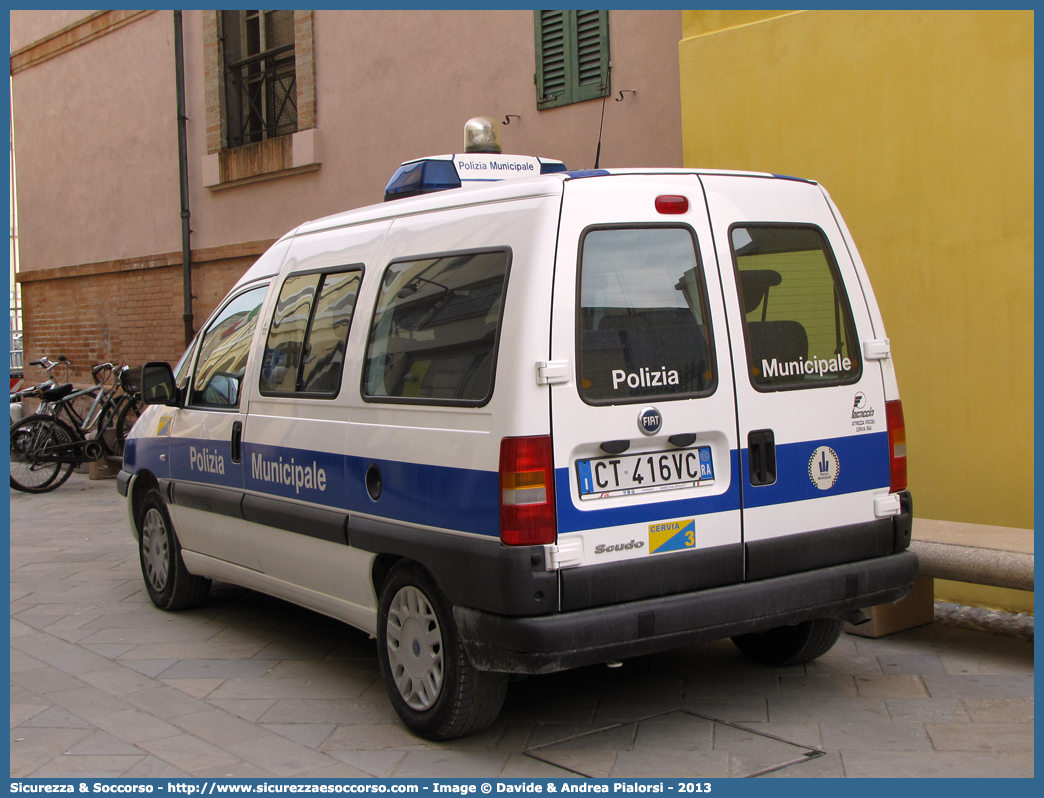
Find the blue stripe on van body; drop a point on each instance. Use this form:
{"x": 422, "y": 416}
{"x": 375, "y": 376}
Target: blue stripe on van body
{"x": 863, "y": 465}
{"x": 657, "y": 508}
{"x": 144, "y": 454}
{"x": 463, "y": 499}
{"x": 468, "y": 500}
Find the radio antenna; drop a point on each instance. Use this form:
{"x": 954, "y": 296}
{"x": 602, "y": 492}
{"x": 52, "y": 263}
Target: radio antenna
{"x": 598, "y": 152}
{"x": 601, "y": 122}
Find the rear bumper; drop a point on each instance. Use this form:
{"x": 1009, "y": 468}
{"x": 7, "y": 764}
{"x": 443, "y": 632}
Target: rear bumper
{"x": 572, "y": 639}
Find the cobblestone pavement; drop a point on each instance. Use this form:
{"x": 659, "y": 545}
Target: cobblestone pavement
{"x": 104, "y": 684}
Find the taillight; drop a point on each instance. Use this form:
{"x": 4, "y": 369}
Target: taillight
{"x": 527, "y": 491}
{"x": 896, "y": 444}
{"x": 672, "y": 203}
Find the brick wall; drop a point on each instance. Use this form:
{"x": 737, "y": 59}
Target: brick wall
{"x": 304, "y": 63}
{"x": 213, "y": 85}
{"x": 122, "y": 310}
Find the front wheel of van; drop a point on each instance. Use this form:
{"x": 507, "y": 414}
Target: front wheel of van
{"x": 433, "y": 686}
{"x": 168, "y": 582}
{"x": 791, "y": 645}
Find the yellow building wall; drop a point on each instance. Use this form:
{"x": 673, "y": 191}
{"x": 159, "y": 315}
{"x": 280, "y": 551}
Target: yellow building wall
{"x": 994, "y": 598}
{"x": 920, "y": 125}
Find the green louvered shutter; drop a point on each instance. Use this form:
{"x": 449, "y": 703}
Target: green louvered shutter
{"x": 572, "y": 49}
{"x": 552, "y": 56}
{"x": 592, "y": 54}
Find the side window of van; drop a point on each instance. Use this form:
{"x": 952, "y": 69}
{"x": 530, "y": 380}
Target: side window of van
{"x": 435, "y": 329}
{"x": 223, "y": 352}
{"x": 798, "y": 322}
{"x": 304, "y": 353}
{"x": 643, "y": 326}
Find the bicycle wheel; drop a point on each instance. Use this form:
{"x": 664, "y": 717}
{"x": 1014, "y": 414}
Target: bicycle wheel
{"x": 79, "y": 408}
{"x": 124, "y": 422}
{"x": 32, "y": 469}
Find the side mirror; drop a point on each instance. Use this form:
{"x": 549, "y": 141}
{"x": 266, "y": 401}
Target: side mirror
{"x": 157, "y": 385}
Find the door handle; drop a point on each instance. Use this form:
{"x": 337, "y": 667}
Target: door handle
{"x": 237, "y": 440}
{"x": 761, "y": 452}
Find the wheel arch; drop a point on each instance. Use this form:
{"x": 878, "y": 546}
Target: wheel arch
{"x": 384, "y": 563}
{"x": 382, "y": 566}
{"x": 140, "y": 484}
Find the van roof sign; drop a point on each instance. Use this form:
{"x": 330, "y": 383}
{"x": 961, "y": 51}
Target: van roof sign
{"x": 441, "y": 172}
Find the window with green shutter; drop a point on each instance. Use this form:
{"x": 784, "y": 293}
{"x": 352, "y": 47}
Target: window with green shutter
{"x": 572, "y": 57}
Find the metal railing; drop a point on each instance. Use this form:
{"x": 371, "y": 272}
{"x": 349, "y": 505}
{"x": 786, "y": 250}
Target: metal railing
{"x": 16, "y": 359}
{"x": 261, "y": 96}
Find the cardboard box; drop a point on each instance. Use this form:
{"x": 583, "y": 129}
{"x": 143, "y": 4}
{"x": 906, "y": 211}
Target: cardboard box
{"x": 916, "y": 609}
{"x": 106, "y": 468}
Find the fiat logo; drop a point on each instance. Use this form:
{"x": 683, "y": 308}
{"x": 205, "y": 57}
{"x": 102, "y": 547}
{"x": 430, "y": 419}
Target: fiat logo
{"x": 649, "y": 420}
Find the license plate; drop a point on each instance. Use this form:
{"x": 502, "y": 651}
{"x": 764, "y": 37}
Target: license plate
{"x": 648, "y": 472}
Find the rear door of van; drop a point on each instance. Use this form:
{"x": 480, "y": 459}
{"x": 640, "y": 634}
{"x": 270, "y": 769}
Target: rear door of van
{"x": 644, "y": 432}
{"x": 811, "y": 407}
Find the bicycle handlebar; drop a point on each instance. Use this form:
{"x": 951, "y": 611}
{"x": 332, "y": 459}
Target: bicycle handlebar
{"x": 99, "y": 368}
{"x": 49, "y": 364}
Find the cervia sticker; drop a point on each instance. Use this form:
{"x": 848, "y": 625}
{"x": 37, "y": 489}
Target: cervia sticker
{"x": 823, "y": 468}
{"x": 164, "y": 425}
{"x": 649, "y": 420}
{"x": 672, "y": 535}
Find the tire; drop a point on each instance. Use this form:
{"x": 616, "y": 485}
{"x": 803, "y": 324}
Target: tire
{"x": 125, "y": 419}
{"x": 31, "y": 471}
{"x": 168, "y": 582}
{"x": 791, "y": 645}
{"x": 433, "y": 686}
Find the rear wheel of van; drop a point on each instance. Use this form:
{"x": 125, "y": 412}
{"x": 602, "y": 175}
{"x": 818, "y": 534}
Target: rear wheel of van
{"x": 791, "y": 645}
{"x": 433, "y": 686}
{"x": 168, "y": 582}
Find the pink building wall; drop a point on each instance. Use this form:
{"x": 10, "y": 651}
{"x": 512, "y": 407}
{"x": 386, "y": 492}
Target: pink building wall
{"x": 97, "y": 137}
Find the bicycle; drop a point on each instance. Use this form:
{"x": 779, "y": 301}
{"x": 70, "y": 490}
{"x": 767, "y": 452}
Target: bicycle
{"x": 46, "y": 446}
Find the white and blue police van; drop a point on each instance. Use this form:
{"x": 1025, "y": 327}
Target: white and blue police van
{"x": 513, "y": 426}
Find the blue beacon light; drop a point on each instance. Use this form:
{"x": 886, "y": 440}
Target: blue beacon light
{"x": 482, "y": 156}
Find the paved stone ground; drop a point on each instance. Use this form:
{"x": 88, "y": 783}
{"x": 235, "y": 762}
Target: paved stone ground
{"x": 104, "y": 684}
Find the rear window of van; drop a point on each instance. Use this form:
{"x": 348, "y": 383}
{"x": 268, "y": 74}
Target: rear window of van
{"x": 644, "y": 331}
{"x": 797, "y": 318}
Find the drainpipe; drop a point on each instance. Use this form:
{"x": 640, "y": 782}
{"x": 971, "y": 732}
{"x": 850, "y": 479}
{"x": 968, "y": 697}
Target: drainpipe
{"x": 186, "y": 232}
